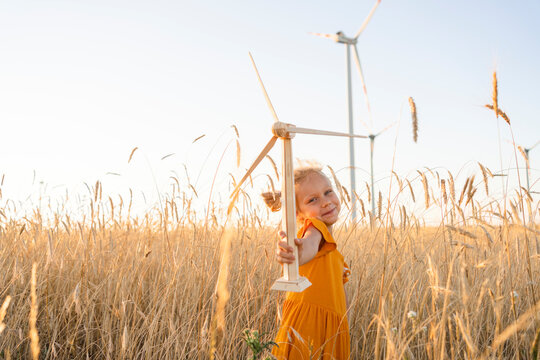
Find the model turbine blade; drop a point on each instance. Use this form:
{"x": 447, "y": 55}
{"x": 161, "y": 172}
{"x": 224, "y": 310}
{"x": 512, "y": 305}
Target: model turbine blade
{"x": 264, "y": 90}
{"x": 321, "y": 132}
{"x": 259, "y": 158}
{"x": 367, "y": 19}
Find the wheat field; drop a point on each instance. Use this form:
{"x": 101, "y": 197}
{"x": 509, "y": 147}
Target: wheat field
{"x": 167, "y": 286}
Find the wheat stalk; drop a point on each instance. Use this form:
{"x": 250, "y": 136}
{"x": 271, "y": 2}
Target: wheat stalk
{"x": 3, "y": 311}
{"x": 452, "y": 187}
{"x": 461, "y": 231}
{"x": 339, "y": 187}
{"x": 426, "y": 188}
{"x": 466, "y": 335}
{"x": 411, "y": 190}
{"x": 194, "y": 141}
{"x": 379, "y": 204}
{"x": 494, "y": 94}
{"x": 414, "y": 117}
{"x": 273, "y": 165}
{"x": 522, "y": 152}
{"x": 443, "y": 191}
{"x": 499, "y": 112}
{"x": 512, "y": 329}
{"x": 344, "y": 191}
{"x": 32, "y": 320}
{"x": 404, "y": 216}
{"x": 400, "y": 183}
{"x": 222, "y": 295}
{"x": 235, "y": 130}
{"x": 125, "y": 340}
{"x": 470, "y": 191}
{"x": 272, "y": 185}
{"x": 485, "y": 176}
{"x": 238, "y": 153}
{"x": 464, "y": 190}
{"x": 362, "y": 207}
{"x": 133, "y": 152}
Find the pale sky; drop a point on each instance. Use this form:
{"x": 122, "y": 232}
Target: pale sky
{"x": 84, "y": 82}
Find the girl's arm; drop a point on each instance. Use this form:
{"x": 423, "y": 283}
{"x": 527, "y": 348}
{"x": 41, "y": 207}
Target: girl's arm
{"x": 308, "y": 247}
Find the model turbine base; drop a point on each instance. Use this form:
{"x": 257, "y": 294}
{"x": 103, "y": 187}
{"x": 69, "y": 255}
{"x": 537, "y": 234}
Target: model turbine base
{"x": 297, "y": 285}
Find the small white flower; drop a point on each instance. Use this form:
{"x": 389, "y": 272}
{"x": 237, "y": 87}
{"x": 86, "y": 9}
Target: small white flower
{"x": 424, "y": 329}
{"x": 515, "y": 295}
{"x": 394, "y": 330}
{"x": 411, "y": 314}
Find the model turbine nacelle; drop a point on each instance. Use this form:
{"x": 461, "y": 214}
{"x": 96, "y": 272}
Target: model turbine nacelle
{"x": 282, "y": 130}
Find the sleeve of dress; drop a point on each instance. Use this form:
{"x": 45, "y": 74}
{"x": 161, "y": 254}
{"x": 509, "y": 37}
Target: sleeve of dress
{"x": 346, "y": 272}
{"x": 329, "y": 242}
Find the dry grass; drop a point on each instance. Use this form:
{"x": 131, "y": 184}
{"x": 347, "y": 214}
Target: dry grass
{"x": 113, "y": 286}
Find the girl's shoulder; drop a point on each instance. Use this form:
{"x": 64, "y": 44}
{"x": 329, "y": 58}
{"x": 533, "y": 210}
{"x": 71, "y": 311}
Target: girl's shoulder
{"x": 320, "y": 226}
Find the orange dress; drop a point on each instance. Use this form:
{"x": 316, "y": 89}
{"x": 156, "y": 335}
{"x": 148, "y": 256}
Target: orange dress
{"x": 314, "y": 323}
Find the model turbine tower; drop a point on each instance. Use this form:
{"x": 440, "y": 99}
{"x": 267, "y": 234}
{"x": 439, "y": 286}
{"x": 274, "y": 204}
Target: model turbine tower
{"x": 291, "y": 280}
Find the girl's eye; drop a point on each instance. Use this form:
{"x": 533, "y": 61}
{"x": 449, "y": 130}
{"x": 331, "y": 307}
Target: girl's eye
{"x": 311, "y": 200}
{"x": 328, "y": 192}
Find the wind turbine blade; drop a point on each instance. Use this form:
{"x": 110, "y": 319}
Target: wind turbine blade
{"x": 359, "y": 67}
{"x": 386, "y": 128}
{"x": 509, "y": 142}
{"x": 264, "y": 90}
{"x": 259, "y": 158}
{"x": 327, "y": 36}
{"x": 532, "y": 147}
{"x": 367, "y": 19}
{"x": 322, "y": 132}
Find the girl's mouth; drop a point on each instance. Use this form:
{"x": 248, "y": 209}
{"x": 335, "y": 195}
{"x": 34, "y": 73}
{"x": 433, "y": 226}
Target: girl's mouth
{"x": 329, "y": 212}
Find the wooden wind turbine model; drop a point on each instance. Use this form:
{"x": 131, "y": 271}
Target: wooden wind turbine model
{"x": 291, "y": 280}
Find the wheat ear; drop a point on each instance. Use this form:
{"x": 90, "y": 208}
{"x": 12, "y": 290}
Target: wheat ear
{"x": 414, "y": 117}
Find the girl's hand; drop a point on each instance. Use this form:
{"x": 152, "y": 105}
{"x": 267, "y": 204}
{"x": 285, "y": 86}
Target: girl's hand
{"x": 284, "y": 252}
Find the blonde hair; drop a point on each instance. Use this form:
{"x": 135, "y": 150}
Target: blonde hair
{"x": 273, "y": 198}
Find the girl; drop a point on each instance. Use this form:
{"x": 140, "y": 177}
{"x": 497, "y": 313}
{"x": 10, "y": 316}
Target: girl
{"x": 314, "y": 323}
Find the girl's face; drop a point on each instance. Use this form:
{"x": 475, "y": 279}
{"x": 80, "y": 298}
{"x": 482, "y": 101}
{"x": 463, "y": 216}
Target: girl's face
{"x": 316, "y": 198}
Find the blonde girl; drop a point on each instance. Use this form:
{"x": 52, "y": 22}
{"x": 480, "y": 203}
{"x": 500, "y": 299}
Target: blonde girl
{"x": 314, "y": 322}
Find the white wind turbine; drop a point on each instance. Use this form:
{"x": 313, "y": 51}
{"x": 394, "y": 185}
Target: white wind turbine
{"x": 340, "y": 37}
{"x": 291, "y": 280}
{"x": 371, "y": 149}
{"x": 526, "y": 151}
